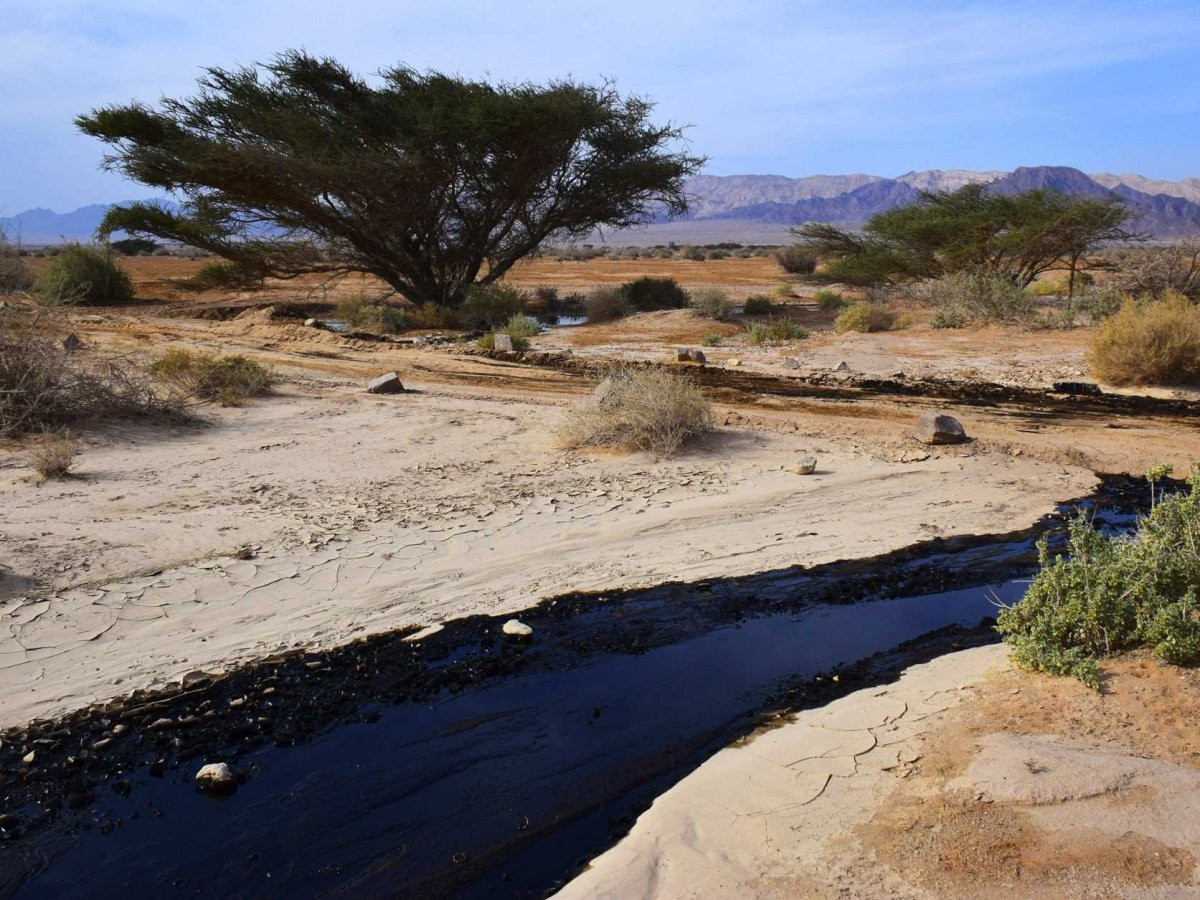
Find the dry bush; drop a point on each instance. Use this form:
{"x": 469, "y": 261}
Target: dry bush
{"x": 830, "y": 301}
{"x": 866, "y": 317}
{"x": 367, "y": 314}
{"x": 228, "y": 380}
{"x": 16, "y": 276}
{"x": 83, "y": 274}
{"x": 1155, "y": 270}
{"x": 52, "y": 453}
{"x": 605, "y": 304}
{"x": 654, "y": 410}
{"x": 43, "y": 385}
{"x": 797, "y": 259}
{"x": 1155, "y": 341}
{"x": 775, "y": 331}
{"x": 712, "y": 303}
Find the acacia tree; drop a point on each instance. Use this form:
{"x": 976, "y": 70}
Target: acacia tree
{"x": 428, "y": 181}
{"x": 1016, "y": 236}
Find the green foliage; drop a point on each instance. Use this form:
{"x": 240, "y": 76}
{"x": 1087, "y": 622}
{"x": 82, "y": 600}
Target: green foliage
{"x": 711, "y": 340}
{"x": 135, "y": 246}
{"x": 775, "y": 331}
{"x": 797, "y": 259}
{"x": 80, "y": 274}
{"x": 429, "y": 181}
{"x": 830, "y": 301}
{"x": 493, "y": 304}
{"x": 712, "y": 303}
{"x": 948, "y": 318}
{"x": 519, "y": 327}
{"x": 221, "y": 273}
{"x": 1111, "y": 594}
{"x": 758, "y": 305}
{"x": 865, "y": 316}
{"x": 229, "y": 380}
{"x": 1155, "y": 341}
{"x": 649, "y": 293}
{"x": 1015, "y": 236}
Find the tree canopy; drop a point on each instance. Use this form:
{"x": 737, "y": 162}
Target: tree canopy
{"x": 428, "y": 181}
{"x": 1016, "y": 236}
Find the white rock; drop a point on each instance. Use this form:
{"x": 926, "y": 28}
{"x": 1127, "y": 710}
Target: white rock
{"x": 216, "y": 778}
{"x": 503, "y": 342}
{"x": 516, "y": 628}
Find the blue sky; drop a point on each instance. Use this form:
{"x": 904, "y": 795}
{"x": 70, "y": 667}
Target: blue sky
{"x": 770, "y": 86}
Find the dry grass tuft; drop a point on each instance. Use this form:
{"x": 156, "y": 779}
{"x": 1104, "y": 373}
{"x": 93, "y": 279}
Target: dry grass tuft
{"x": 865, "y": 317}
{"x": 228, "y": 380}
{"x": 52, "y": 453}
{"x": 655, "y": 410}
{"x": 1150, "y": 342}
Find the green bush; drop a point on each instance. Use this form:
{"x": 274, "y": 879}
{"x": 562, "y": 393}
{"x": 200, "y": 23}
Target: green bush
{"x": 1152, "y": 342}
{"x": 695, "y": 254}
{"x": 775, "y": 331}
{"x": 519, "y": 327}
{"x": 712, "y": 303}
{"x": 221, "y": 273}
{"x": 759, "y": 305}
{"x": 711, "y": 340}
{"x": 797, "y": 259}
{"x": 1111, "y": 594}
{"x": 604, "y": 304}
{"x": 649, "y": 293}
{"x": 490, "y": 305}
{"x": 830, "y": 301}
{"x": 865, "y": 317}
{"x": 980, "y": 297}
{"x": 135, "y": 246}
{"x": 229, "y": 380}
{"x": 365, "y": 314}
{"x": 79, "y": 274}
{"x": 947, "y": 318}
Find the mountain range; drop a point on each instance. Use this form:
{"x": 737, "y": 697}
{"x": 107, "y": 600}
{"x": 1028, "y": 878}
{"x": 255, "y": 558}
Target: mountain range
{"x": 760, "y": 208}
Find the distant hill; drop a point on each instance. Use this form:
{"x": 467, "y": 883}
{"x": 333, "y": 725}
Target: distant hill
{"x": 760, "y": 208}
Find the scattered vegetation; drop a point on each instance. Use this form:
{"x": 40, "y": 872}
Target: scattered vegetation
{"x": 759, "y": 305}
{"x": 519, "y": 327}
{"x": 865, "y": 316}
{"x": 1151, "y": 341}
{"x": 650, "y": 293}
{"x": 83, "y": 274}
{"x": 712, "y": 303}
{"x": 1114, "y": 593}
{"x": 228, "y": 380}
{"x": 654, "y": 410}
{"x": 830, "y": 301}
{"x": 977, "y": 297}
{"x": 775, "y": 331}
{"x": 52, "y": 453}
{"x": 489, "y": 306}
{"x": 797, "y": 259}
{"x": 42, "y": 385}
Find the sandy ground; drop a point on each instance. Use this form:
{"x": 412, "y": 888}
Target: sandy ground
{"x": 964, "y": 778}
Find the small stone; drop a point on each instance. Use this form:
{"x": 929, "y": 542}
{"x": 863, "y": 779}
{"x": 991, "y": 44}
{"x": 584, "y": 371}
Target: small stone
{"x": 314, "y": 323}
{"x": 503, "y": 342}
{"x": 735, "y": 362}
{"x": 71, "y": 342}
{"x": 29, "y": 757}
{"x": 515, "y": 628}
{"x": 386, "y": 384}
{"x": 939, "y": 428}
{"x": 216, "y": 778}
{"x": 193, "y": 680}
{"x": 843, "y": 366}
{"x": 806, "y": 465}
{"x": 790, "y": 362}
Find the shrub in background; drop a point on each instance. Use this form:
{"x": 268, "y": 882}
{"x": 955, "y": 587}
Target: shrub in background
{"x": 712, "y": 303}
{"x": 830, "y": 301}
{"x": 16, "y": 275}
{"x": 221, "y": 273}
{"x": 604, "y": 304}
{"x": 981, "y": 297}
{"x": 366, "y": 314}
{"x": 1155, "y": 341}
{"x": 81, "y": 274}
{"x": 229, "y": 380}
{"x": 650, "y": 293}
{"x": 797, "y": 259}
{"x": 711, "y": 340}
{"x": 866, "y": 317}
{"x": 654, "y": 410}
{"x": 494, "y": 304}
{"x": 759, "y": 305}
{"x": 52, "y": 453}
{"x": 775, "y": 331}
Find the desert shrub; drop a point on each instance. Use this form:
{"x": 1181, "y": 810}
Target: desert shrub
{"x": 865, "y": 316}
{"x": 758, "y": 305}
{"x": 79, "y": 274}
{"x": 15, "y": 273}
{"x": 431, "y": 316}
{"x": 221, "y": 273}
{"x": 797, "y": 259}
{"x": 1099, "y": 301}
{"x": 655, "y": 410}
{"x": 717, "y": 254}
{"x": 1156, "y": 341}
{"x": 488, "y": 306}
{"x": 948, "y": 318}
{"x": 1156, "y": 270}
{"x": 544, "y": 299}
{"x": 648, "y": 293}
{"x": 52, "y": 453}
{"x": 711, "y": 340}
{"x": 775, "y": 331}
{"x": 981, "y": 297}
{"x": 1114, "y": 593}
{"x": 135, "y": 246}
{"x": 229, "y": 380}
{"x": 712, "y": 303}
{"x": 604, "y": 304}
{"x": 367, "y": 314}
{"x": 830, "y": 301}
{"x": 695, "y": 254}
{"x": 42, "y": 385}
{"x": 519, "y": 327}
{"x": 783, "y": 290}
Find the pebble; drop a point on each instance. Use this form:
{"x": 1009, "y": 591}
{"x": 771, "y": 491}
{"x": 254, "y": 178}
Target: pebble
{"x": 216, "y": 778}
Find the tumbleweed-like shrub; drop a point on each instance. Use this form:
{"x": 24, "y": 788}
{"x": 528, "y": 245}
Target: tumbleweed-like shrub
{"x": 1155, "y": 341}
{"x": 228, "y": 380}
{"x": 85, "y": 275}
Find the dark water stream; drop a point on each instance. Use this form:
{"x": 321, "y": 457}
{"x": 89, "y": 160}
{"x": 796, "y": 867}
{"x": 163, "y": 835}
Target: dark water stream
{"x": 504, "y": 788}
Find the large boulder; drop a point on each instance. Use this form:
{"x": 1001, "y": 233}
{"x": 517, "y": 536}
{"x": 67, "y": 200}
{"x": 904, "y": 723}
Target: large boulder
{"x": 386, "y": 384}
{"x": 939, "y": 428}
